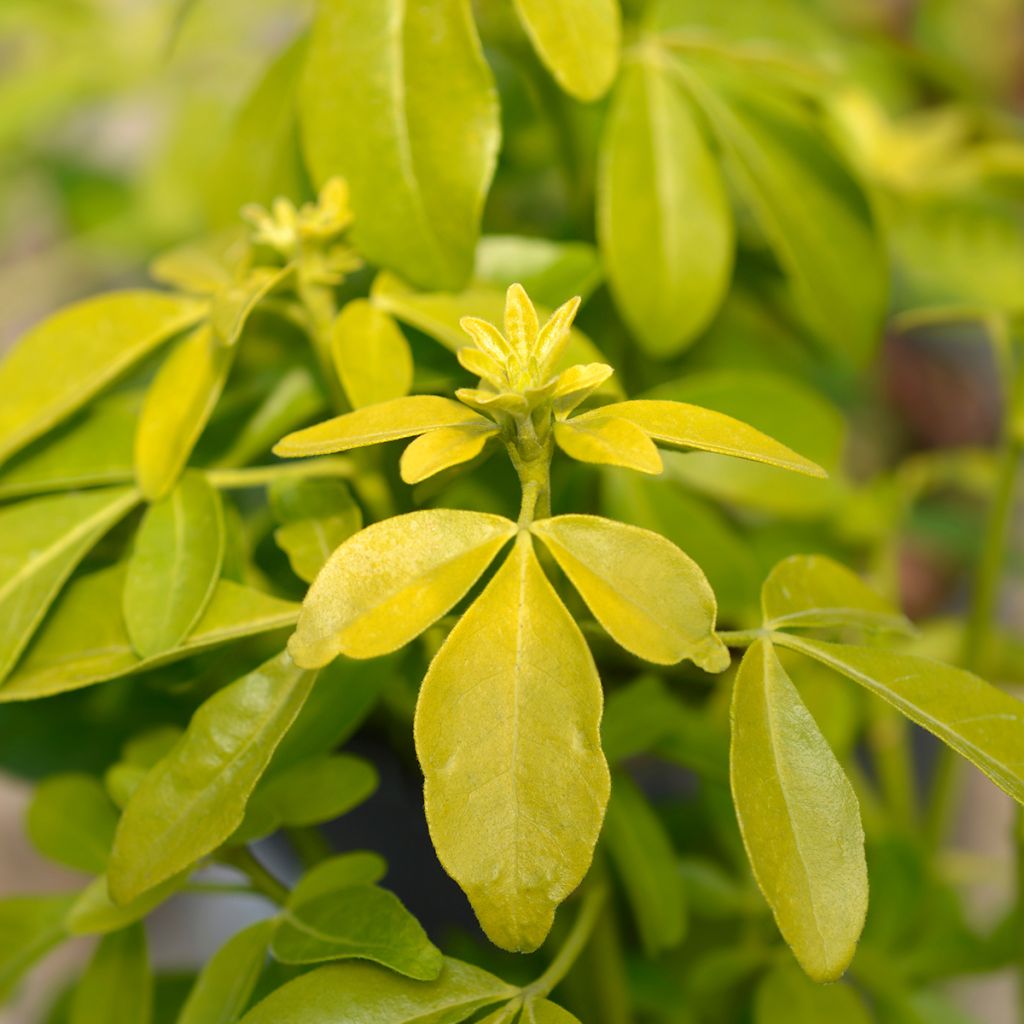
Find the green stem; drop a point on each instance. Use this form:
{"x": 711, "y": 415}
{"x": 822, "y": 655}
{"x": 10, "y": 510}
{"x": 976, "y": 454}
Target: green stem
{"x": 310, "y": 844}
{"x": 259, "y": 476}
{"x": 741, "y": 637}
{"x": 262, "y": 880}
{"x": 573, "y": 945}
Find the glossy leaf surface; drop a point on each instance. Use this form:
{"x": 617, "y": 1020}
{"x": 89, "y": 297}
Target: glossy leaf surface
{"x": 370, "y": 354}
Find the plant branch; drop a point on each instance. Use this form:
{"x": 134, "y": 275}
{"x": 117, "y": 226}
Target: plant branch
{"x": 573, "y": 945}
{"x": 263, "y": 882}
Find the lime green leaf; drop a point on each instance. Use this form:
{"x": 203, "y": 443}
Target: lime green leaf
{"x": 506, "y": 1014}
{"x": 83, "y": 347}
{"x": 178, "y": 404}
{"x": 347, "y": 869}
{"x": 398, "y": 99}
{"x": 117, "y": 987}
{"x": 543, "y": 1011}
{"x": 90, "y": 450}
{"x": 386, "y": 421}
{"x": 664, "y": 221}
{"x": 785, "y": 996}
{"x": 643, "y": 855}
{"x": 30, "y": 926}
{"x": 680, "y": 425}
{"x": 547, "y": 270}
{"x": 361, "y": 921}
{"x": 233, "y": 306}
{"x": 441, "y": 449}
{"x": 799, "y": 817}
{"x": 196, "y": 796}
{"x": 507, "y": 734}
{"x": 94, "y": 913}
{"x": 41, "y": 542}
{"x": 814, "y": 591}
{"x": 978, "y": 721}
{"x": 71, "y": 820}
{"x": 85, "y": 641}
{"x": 370, "y": 354}
{"x": 578, "y": 41}
{"x": 652, "y": 598}
{"x": 174, "y": 566}
{"x": 308, "y": 543}
{"x": 208, "y": 265}
{"x": 226, "y": 983}
{"x": 610, "y": 440}
{"x": 389, "y": 582}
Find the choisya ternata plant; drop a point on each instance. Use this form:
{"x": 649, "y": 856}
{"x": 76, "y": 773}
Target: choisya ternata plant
{"x": 508, "y": 715}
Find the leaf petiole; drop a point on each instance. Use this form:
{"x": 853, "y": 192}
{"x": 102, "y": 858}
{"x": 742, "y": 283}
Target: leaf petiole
{"x": 574, "y": 944}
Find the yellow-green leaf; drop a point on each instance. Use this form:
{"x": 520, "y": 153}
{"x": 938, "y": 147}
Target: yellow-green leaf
{"x": 71, "y": 820}
{"x": 814, "y": 591}
{"x": 398, "y": 99}
{"x": 361, "y": 867}
{"x": 205, "y": 266}
{"x": 609, "y": 440}
{"x": 543, "y": 1011}
{"x": 174, "y": 566}
{"x": 178, "y": 404}
{"x": 194, "y": 798}
{"x": 799, "y": 817}
{"x": 664, "y": 221}
{"x": 82, "y": 348}
{"x": 386, "y": 421}
{"x": 978, "y": 721}
{"x": 548, "y": 270}
{"x": 577, "y": 384}
{"x": 389, "y": 582}
{"x": 679, "y": 425}
{"x": 785, "y": 996}
{"x": 651, "y": 597}
{"x": 443, "y": 448}
{"x": 94, "y": 913}
{"x": 507, "y": 735}
{"x": 41, "y": 542}
{"x": 578, "y": 40}
{"x": 233, "y": 305}
{"x": 30, "y": 926}
{"x": 370, "y": 354}
{"x": 117, "y": 986}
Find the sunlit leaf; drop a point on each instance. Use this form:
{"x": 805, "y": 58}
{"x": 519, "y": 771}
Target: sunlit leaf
{"x": 195, "y": 797}
{"x": 398, "y": 98}
{"x": 117, "y": 986}
{"x": 386, "y": 584}
{"x": 443, "y": 448}
{"x": 507, "y": 735}
{"x": 610, "y": 440}
{"x": 41, "y": 542}
{"x": 799, "y": 817}
{"x": 370, "y": 354}
{"x": 82, "y": 347}
{"x": 71, "y": 820}
{"x": 30, "y": 926}
{"x": 650, "y": 596}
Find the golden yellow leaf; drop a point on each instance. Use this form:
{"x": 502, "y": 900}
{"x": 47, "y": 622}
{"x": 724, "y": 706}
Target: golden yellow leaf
{"x": 576, "y": 384}
{"x": 370, "y": 354}
{"x": 610, "y": 440}
{"x": 442, "y": 449}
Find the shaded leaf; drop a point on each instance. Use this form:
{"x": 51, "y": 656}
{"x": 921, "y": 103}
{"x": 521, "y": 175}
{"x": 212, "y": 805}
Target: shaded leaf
{"x": 71, "y": 820}
{"x": 543, "y": 1011}
{"x": 30, "y": 926}
{"x": 785, "y": 996}
{"x": 442, "y": 449}
{"x": 347, "y": 869}
{"x": 370, "y": 354}
{"x": 609, "y": 440}
{"x": 548, "y": 271}
{"x": 94, "y": 913}
{"x": 117, "y": 986}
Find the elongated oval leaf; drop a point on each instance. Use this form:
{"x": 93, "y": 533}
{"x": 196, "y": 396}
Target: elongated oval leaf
{"x": 399, "y": 100}
{"x": 799, "y": 817}
{"x": 30, "y": 926}
{"x": 441, "y": 449}
{"x": 652, "y": 598}
{"x": 578, "y": 40}
{"x": 72, "y": 820}
{"x": 358, "y": 921}
{"x": 41, "y": 542}
{"x": 225, "y": 984}
{"x": 680, "y": 425}
{"x": 117, "y": 987}
{"x": 195, "y": 797}
{"x": 386, "y": 421}
{"x": 978, "y": 721}
{"x": 174, "y": 567}
{"x": 664, "y": 221}
{"x": 814, "y": 591}
{"x": 608, "y": 440}
{"x": 386, "y": 584}
{"x": 507, "y": 735}
{"x": 178, "y": 404}
{"x": 370, "y": 354}
{"x": 82, "y": 347}
{"x": 357, "y": 993}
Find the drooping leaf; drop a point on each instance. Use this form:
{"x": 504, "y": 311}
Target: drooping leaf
{"x": 356, "y": 993}
{"x": 117, "y": 986}
{"x": 664, "y": 221}
{"x": 643, "y": 856}
{"x": 652, "y": 598}
{"x": 95, "y": 913}
{"x": 85, "y": 641}
{"x": 799, "y": 817}
{"x": 370, "y": 354}
{"x": 507, "y": 735}
{"x": 785, "y": 996}
{"x": 609, "y": 440}
{"x": 398, "y": 99}
{"x": 83, "y": 347}
{"x": 547, "y": 270}
{"x": 195, "y": 797}
{"x": 226, "y": 983}
{"x": 814, "y": 591}
{"x": 386, "y": 584}
{"x": 178, "y": 404}
{"x": 174, "y": 567}
{"x": 41, "y": 542}
{"x": 386, "y": 421}
{"x": 578, "y": 40}
{"x": 347, "y": 869}
{"x": 30, "y": 926}
{"x": 71, "y": 820}
{"x": 442, "y": 449}
{"x": 978, "y": 721}
{"x": 360, "y": 921}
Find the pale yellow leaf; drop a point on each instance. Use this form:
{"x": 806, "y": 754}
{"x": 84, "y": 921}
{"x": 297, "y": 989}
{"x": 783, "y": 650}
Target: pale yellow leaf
{"x": 442, "y": 449}
{"x": 370, "y": 354}
{"x": 576, "y": 384}
{"x": 594, "y": 437}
